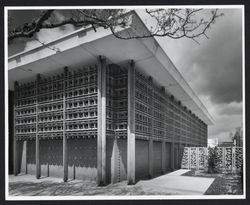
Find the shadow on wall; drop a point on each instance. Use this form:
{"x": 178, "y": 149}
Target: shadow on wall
{"x": 116, "y": 156}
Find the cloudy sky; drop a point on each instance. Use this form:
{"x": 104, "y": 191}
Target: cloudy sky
{"x": 213, "y": 68}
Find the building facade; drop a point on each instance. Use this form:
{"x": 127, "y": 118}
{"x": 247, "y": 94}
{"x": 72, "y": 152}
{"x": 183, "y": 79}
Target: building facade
{"x": 100, "y": 119}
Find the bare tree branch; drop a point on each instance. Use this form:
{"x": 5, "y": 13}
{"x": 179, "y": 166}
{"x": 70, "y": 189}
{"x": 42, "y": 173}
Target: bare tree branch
{"x": 28, "y": 30}
{"x": 172, "y": 23}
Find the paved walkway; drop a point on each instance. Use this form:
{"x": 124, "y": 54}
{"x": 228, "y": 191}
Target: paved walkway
{"x": 178, "y": 172}
{"x": 174, "y": 182}
{"x": 169, "y": 184}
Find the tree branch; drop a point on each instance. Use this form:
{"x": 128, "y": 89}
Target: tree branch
{"x": 172, "y": 23}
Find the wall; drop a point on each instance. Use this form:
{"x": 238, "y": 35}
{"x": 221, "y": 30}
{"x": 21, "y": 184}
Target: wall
{"x": 72, "y": 98}
{"x": 157, "y": 163}
{"x": 82, "y": 158}
{"x": 141, "y": 159}
{"x": 168, "y": 156}
{"x": 51, "y": 158}
{"x": 31, "y": 157}
{"x": 159, "y": 115}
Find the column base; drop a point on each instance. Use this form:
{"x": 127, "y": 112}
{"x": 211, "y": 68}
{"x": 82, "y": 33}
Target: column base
{"x": 131, "y": 182}
{"x": 101, "y": 183}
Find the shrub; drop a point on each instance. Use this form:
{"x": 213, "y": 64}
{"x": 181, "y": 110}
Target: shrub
{"x": 212, "y": 159}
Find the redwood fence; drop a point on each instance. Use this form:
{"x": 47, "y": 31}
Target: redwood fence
{"x": 229, "y": 159}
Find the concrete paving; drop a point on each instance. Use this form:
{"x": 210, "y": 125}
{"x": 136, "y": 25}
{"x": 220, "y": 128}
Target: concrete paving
{"x": 177, "y": 184}
{"x": 179, "y": 172}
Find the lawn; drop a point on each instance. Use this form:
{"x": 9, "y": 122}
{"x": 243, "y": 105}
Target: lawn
{"x": 224, "y": 183}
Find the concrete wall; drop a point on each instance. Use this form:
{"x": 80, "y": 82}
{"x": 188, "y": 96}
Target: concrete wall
{"x": 176, "y": 156}
{"x": 157, "y": 146}
{"x": 141, "y": 159}
{"x": 116, "y": 160}
{"x": 31, "y": 157}
{"x": 122, "y": 146}
{"x": 51, "y": 158}
{"x": 181, "y": 151}
{"x": 109, "y": 150}
{"x": 168, "y": 156}
{"x": 20, "y": 156}
{"x": 82, "y": 159}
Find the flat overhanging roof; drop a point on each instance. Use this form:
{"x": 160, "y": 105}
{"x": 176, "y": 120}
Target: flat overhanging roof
{"x": 82, "y": 48}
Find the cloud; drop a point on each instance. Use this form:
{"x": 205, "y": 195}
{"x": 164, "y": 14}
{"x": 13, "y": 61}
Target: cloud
{"x": 47, "y": 35}
{"x": 231, "y": 109}
{"x": 227, "y": 117}
{"x": 213, "y": 68}
{"x": 214, "y": 71}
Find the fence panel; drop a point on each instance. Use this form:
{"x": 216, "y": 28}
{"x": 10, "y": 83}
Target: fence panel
{"x": 229, "y": 159}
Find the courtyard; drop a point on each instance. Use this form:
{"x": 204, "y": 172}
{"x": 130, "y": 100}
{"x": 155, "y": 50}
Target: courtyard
{"x": 180, "y": 182}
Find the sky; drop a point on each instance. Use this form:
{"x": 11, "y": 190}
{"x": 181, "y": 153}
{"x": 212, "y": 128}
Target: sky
{"x": 213, "y": 68}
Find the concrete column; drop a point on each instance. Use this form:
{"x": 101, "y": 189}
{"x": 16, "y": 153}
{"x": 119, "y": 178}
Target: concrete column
{"x": 101, "y": 124}
{"x": 15, "y": 161}
{"x": 163, "y": 157}
{"x": 65, "y": 142}
{"x": 38, "y": 166}
{"x": 131, "y": 125}
{"x": 151, "y": 158}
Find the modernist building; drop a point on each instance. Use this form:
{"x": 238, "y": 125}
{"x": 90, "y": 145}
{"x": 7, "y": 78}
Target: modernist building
{"x": 101, "y": 108}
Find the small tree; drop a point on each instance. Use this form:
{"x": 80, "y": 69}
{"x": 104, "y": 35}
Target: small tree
{"x": 212, "y": 159}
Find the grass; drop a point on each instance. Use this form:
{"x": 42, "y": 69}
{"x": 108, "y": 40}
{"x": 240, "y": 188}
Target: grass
{"x": 224, "y": 183}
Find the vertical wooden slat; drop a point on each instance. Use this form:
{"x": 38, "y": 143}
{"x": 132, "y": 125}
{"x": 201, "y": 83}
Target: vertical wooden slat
{"x": 131, "y": 125}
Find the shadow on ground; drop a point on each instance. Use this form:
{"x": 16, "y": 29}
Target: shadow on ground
{"x": 74, "y": 188}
